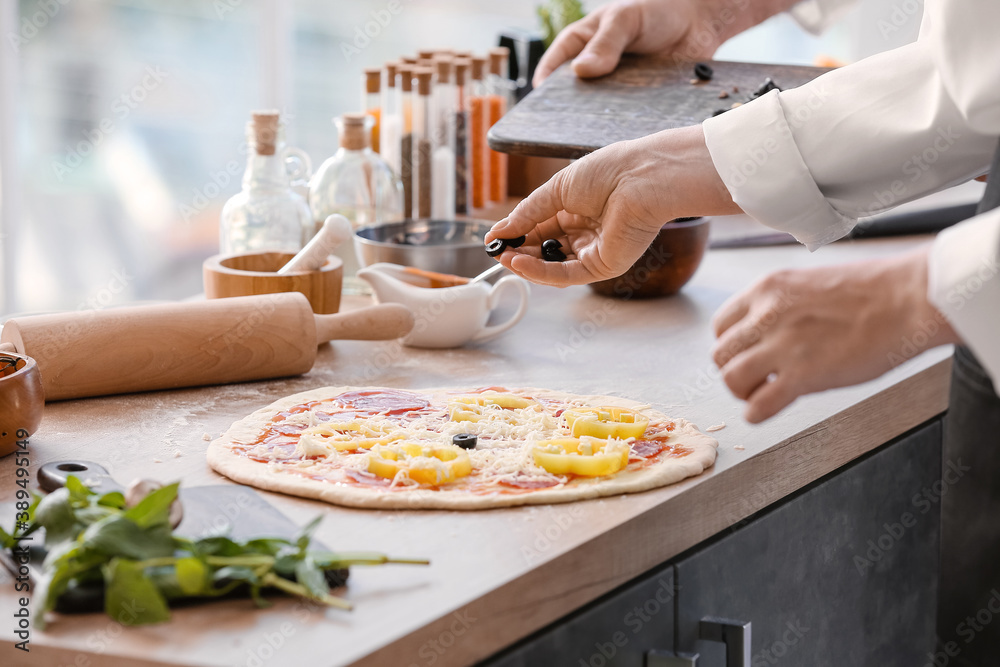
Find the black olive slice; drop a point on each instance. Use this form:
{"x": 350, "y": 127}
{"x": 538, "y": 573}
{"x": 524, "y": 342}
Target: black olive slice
{"x": 465, "y": 440}
{"x": 496, "y": 247}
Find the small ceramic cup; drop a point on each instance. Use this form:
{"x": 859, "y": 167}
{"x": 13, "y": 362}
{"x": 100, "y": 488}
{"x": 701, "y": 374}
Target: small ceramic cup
{"x": 255, "y": 273}
{"x": 446, "y": 316}
{"x": 21, "y": 399}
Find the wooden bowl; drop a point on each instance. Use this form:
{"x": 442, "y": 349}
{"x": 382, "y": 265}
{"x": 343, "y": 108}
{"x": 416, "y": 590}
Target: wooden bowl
{"x": 21, "y": 400}
{"x": 668, "y": 264}
{"x": 254, "y": 273}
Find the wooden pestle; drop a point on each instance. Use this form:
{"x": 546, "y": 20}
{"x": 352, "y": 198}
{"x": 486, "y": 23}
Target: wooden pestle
{"x": 167, "y": 346}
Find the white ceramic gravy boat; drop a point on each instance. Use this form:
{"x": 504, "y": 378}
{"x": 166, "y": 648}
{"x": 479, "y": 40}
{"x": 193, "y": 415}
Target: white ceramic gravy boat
{"x": 445, "y": 316}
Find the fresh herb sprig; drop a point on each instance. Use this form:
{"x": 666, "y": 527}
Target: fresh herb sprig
{"x": 93, "y": 538}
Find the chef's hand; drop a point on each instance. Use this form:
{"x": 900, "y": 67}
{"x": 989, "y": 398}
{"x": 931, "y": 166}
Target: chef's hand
{"x": 801, "y": 331}
{"x": 689, "y": 29}
{"x": 606, "y": 208}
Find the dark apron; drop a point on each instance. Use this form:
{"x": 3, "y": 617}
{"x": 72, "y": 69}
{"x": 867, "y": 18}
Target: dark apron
{"x": 969, "y": 596}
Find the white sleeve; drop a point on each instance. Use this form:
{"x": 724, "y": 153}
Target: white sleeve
{"x": 818, "y": 15}
{"x": 964, "y": 284}
{"x": 878, "y": 133}
{"x": 868, "y": 136}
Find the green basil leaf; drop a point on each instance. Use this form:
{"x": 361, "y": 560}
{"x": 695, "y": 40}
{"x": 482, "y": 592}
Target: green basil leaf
{"x": 130, "y": 597}
{"x": 192, "y": 575}
{"x": 56, "y": 515}
{"x": 79, "y": 492}
{"x": 305, "y": 536}
{"x": 92, "y": 514}
{"x": 154, "y": 509}
{"x": 286, "y": 564}
{"x": 114, "y": 499}
{"x": 269, "y": 546}
{"x": 218, "y": 545}
{"x": 6, "y": 539}
{"x": 118, "y": 536}
{"x": 310, "y": 576}
{"x": 235, "y": 573}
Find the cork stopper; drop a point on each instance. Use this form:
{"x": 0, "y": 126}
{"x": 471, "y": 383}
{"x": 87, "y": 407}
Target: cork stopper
{"x": 409, "y": 60}
{"x": 498, "y": 58}
{"x": 356, "y": 134}
{"x": 426, "y": 62}
{"x": 442, "y": 65}
{"x": 462, "y": 66}
{"x": 391, "y": 68}
{"x": 406, "y": 77}
{"x": 462, "y": 54}
{"x": 373, "y": 80}
{"x": 424, "y": 78}
{"x": 426, "y": 54}
{"x": 478, "y": 67}
{"x": 265, "y": 131}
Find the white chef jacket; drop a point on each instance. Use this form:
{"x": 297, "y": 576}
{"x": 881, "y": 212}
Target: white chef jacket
{"x": 878, "y": 133}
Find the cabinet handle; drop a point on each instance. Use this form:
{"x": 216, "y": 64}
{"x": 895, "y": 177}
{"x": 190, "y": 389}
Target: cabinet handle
{"x": 734, "y": 634}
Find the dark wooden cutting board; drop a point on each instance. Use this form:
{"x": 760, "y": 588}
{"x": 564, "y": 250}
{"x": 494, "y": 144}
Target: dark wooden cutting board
{"x": 569, "y": 117}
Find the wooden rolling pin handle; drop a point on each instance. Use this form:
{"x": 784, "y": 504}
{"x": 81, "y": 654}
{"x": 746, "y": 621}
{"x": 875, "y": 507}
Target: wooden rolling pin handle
{"x": 8, "y": 348}
{"x": 382, "y": 322}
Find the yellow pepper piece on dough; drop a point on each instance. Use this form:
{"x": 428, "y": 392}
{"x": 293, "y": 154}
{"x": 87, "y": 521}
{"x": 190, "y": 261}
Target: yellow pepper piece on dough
{"x": 588, "y": 457}
{"x": 469, "y": 408}
{"x": 345, "y": 436}
{"x": 606, "y": 422}
{"x": 426, "y": 464}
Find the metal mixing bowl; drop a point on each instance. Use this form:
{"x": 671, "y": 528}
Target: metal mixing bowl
{"x": 445, "y": 246}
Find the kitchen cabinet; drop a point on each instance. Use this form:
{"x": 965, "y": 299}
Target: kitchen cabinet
{"x": 844, "y": 572}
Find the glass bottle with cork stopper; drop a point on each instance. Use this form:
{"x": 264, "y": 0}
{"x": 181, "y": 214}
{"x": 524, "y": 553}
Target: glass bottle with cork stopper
{"x": 462, "y": 145}
{"x": 478, "y": 127}
{"x": 372, "y": 102}
{"x": 422, "y": 148}
{"x": 390, "y": 132}
{"x": 498, "y": 101}
{"x": 268, "y": 214}
{"x": 443, "y": 178}
{"x": 358, "y": 184}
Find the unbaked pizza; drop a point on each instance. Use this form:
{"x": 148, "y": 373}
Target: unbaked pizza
{"x": 458, "y": 448}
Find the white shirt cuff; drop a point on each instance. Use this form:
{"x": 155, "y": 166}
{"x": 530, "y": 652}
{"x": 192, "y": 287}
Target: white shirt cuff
{"x": 753, "y": 150}
{"x": 963, "y": 283}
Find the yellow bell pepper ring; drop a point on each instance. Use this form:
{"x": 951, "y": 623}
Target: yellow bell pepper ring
{"x": 587, "y": 457}
{"x": 344, "y": 436}
{"x": 606, "y": 422}
{"x": 471, "y": 407}
{"x": 426, "y": 464}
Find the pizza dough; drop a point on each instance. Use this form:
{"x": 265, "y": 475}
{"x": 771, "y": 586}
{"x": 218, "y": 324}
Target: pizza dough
{"x": 266, "y": 449}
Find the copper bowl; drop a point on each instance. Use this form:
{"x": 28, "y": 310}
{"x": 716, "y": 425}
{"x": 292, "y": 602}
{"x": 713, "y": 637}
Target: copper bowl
{"x": 21, "y": 400}
{"x": 666, "y": 266}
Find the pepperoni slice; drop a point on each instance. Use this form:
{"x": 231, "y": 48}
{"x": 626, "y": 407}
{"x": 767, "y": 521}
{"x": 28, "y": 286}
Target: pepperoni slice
{"x": 365, "y": 478}
{"x": 525, "y": 482}
{"x": 648, "y": 448}
{"x": 386, "y": 402}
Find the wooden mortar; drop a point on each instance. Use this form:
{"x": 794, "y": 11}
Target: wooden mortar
{"x": 254, "y": 273}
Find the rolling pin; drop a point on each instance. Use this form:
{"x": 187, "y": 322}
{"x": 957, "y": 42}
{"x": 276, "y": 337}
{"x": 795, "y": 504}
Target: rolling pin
{"x": 167, "y": 346}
